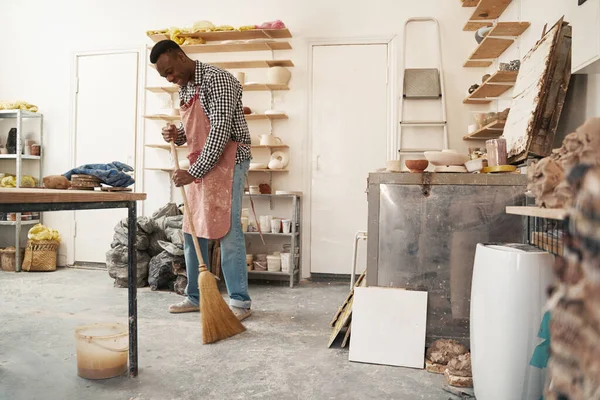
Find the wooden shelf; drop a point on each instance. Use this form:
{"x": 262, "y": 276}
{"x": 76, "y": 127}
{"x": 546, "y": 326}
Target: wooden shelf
{"x": 550, "y": 213}
{"x": 254, "y": 146}
{"x": 497, "y": 84}
{"x": 249, "y": 117}
{"x": 160, "y": 169}
{"x": 235, "y": 47}
{"x": 470, "y": 3}
{"x": 163, "y": 89}
{"x": 496, "y": 43}
{"x": 218, "y": 36}
{"x": 252, "y": 64}
{"x": 490, "y": 131}
{"x": 271, "y": 234}
{"x": 250, "y": 88}
{"x": 264, "y": 87}
{"x": 486, "y": 10}
{"x": 253, "y": 117}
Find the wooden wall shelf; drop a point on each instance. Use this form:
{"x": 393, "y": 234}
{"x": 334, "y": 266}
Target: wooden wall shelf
{"x": 252, "y": 64}
{"x": 470, "y": 3}
{"x": 490, "y": 131}
{"x": 250, "y": 88}
{"x": 232, "y": 35}
{"x": 163, "y": 89}
{"x": 497, "y": 84}
{"x": 496, "y": 43}
{"x": 235, "y": 47}
{"x": 249, "y": 117}
{"x": 254, "y": 146}
{"x": 485, "y": 13}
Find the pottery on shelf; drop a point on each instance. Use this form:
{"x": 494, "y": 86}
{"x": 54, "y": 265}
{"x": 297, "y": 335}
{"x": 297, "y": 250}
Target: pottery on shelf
{"x": 514, "y": 65}
{"x": 473, "y": 88}
{"x": 446, "y": 158}
{"x": 482, "y": 33}
{"x": 278, "y": 76}
{"x": 485, "y": 78}
{"x": 416, "y": 165}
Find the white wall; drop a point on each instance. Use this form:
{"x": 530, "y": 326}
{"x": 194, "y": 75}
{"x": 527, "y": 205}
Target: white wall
{"x": 44, "y": 35}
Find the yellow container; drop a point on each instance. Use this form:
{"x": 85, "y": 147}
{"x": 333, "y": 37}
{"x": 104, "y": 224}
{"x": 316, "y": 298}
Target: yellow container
{"x": 102, "y": 350}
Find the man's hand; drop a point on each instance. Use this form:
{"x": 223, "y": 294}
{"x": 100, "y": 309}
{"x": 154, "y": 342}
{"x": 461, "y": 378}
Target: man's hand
{"x": 169, "y": 133}
{"x": 182, "y": 178}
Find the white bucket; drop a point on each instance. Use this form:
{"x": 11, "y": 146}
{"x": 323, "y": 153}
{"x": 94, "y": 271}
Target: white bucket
{"x": 286, "y": 225}
{"x": 276, "y": 225}
{"x": 274, "y": 263}
{"x": 101, "y": 350}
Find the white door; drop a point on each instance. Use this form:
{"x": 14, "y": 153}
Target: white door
{"x": 106, "y": 114}
{"x": 349, "y": 140}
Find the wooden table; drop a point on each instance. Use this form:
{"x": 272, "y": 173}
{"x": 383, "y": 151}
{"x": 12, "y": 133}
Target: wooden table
{"x": 26, "y": 200}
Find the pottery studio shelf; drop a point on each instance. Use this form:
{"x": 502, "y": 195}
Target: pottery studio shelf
{"x": 252, "y": 40}
{"x": 491, "y": 131}
{"x": 249, "y": 117}
{"x": 254, "y": 146}
{"x": 253, "y": 87}
{"x": 247, "y": 64}
{"x": 497, "y": 84}
{"x": 495, "y": 43}
{"x": 549, "y": 213}
{"x": 485, "y": 13}
{"x": 470, "y": 3}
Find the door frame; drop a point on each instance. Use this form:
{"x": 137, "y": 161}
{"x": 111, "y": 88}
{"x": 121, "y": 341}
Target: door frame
{"x": 138, "y": 155}
{"x": 392, "y": 112}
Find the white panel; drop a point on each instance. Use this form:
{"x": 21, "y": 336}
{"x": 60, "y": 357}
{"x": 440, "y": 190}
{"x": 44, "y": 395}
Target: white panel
{"x": 105, "y": 132}
{"x": 349, "y": 136}
{"x": 388, "y": 326}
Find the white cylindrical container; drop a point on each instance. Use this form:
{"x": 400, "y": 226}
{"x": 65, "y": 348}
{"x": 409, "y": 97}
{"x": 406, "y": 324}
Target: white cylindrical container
{"x": 286, "y": 225}
{"x": 240, "y": 76}
{"x": 274, "y": 263}
{"x": 508, "y": 296}
{"x": 285, "y": 262}
{"x": 244, "y": 224}
{"x": 275, "y": 225}
{"x": 245, "y": 212}
{"x": 250, "y": 262}
{"x": 265, "y": 224}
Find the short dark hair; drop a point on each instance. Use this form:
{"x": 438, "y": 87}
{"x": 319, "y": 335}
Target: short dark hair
{"x": 162, "y": 47}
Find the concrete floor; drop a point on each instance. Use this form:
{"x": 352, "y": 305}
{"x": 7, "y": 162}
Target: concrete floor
{"x": 283, "y": 355}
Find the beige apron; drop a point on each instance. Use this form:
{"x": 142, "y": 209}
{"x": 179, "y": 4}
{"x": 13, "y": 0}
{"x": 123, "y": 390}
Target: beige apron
{"x": 209, "y": 197}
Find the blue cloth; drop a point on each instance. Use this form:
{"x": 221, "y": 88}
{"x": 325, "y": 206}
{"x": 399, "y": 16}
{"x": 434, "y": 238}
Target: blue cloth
{"x": 541, "y": 354}
{"x": 233, "y": 251}
{"x": 113, "y": 174}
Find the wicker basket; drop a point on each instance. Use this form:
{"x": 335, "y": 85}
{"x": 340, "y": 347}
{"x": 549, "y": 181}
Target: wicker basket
{"x": 8, "y": 259}
{"x": 40, "y": 255}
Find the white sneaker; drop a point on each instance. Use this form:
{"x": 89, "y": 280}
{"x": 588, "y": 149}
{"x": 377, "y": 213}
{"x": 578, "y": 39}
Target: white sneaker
{"x": 241, "y": 313}
{"x": 183, "y": 307}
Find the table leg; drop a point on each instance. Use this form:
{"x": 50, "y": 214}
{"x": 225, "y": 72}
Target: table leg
{"x": 132, "y": 288}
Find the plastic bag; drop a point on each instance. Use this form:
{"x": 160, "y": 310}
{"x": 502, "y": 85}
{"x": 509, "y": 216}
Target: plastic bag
{"x": 120, "y": 237}
{"x": 41, "y": 232}
{"x": 168, "y": 210}
{"x": 116, "y": 263}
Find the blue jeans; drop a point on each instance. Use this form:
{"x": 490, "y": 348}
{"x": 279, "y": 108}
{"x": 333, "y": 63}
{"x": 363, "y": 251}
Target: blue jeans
{"x": 233, "y": 251}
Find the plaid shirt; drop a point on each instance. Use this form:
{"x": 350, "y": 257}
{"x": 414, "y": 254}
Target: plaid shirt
{"x": 221, "y": 99}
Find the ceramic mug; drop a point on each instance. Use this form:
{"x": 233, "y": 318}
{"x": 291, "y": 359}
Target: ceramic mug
{"x": 270, "y": 140}
{"x": 276, "y": 225}
{"x": 394, "y": 166}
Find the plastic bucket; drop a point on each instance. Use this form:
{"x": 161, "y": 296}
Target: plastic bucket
{"x": 102, "y": 350}
{"x": 274, "y": 263}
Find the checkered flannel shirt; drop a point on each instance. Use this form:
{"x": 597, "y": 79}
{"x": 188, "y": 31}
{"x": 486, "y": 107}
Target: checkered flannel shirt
{"x": 221, "y": 99}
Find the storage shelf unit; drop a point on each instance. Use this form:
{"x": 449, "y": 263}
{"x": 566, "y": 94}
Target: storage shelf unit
{"x": 294, "y": 237}
{"x": 497, "y": 84}
{"x": 485, "y": 12}
{"x": 20, "y": 115}
{"x": 495, "y": 43}
{"x": 491, "y": 131}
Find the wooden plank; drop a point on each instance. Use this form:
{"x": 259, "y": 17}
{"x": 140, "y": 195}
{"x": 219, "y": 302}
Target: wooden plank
{"x": 360, "y": 282}
{"x": 477, "y": 64}
{"x": 509, "y": 29}
{"x": 163, "y": 89}
{"x": 470, "y": 3}
{"x": 490, "y": 131}
{"x": 489, "y": 9}
{"x": 232, "y": 35}
{"x": 254, "y": 146}
{"x": 264, "y": 87}
{"x": 165, "y": 146}
{"x": 268, "y": 170}
{"x": 549, "y": 213}
{"x": 547, "y": 242}
{"x": 474, "y": 25}
{"x": 252, "y": 117}
{"x": 347, "y": 335}
{"x": 12, "y": 196}
{"x": 490, "y": 48}
{"x": 252, "y": 64}
{"x": 487, "y": 89}
{"x": 504, "y": 76}
{"x": 234, "y": 47}
{"x": 163, "y": 117}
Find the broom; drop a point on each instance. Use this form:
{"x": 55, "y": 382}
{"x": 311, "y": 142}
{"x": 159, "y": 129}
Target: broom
{"x": 218, "y": 321}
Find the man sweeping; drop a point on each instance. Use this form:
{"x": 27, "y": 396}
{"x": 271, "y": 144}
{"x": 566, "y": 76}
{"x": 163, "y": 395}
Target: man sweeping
{"x": 215, "y": 130}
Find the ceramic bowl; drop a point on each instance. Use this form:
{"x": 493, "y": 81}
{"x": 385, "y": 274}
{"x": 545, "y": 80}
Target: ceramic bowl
{"x": 416, "y": 165}
{"x": 446, "y": 157}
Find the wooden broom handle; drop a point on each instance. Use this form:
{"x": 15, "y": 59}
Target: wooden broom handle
{"x": 187, "y": 210}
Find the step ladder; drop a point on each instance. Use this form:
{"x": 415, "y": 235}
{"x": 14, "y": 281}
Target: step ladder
{"x": 422, "y": 84}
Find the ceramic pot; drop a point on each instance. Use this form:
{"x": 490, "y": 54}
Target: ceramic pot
{"x": 417, "y": 165}
{"x": 278, "y": 76}
{"x": 482, "y": 32}
{"x": 269, "y": 140}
